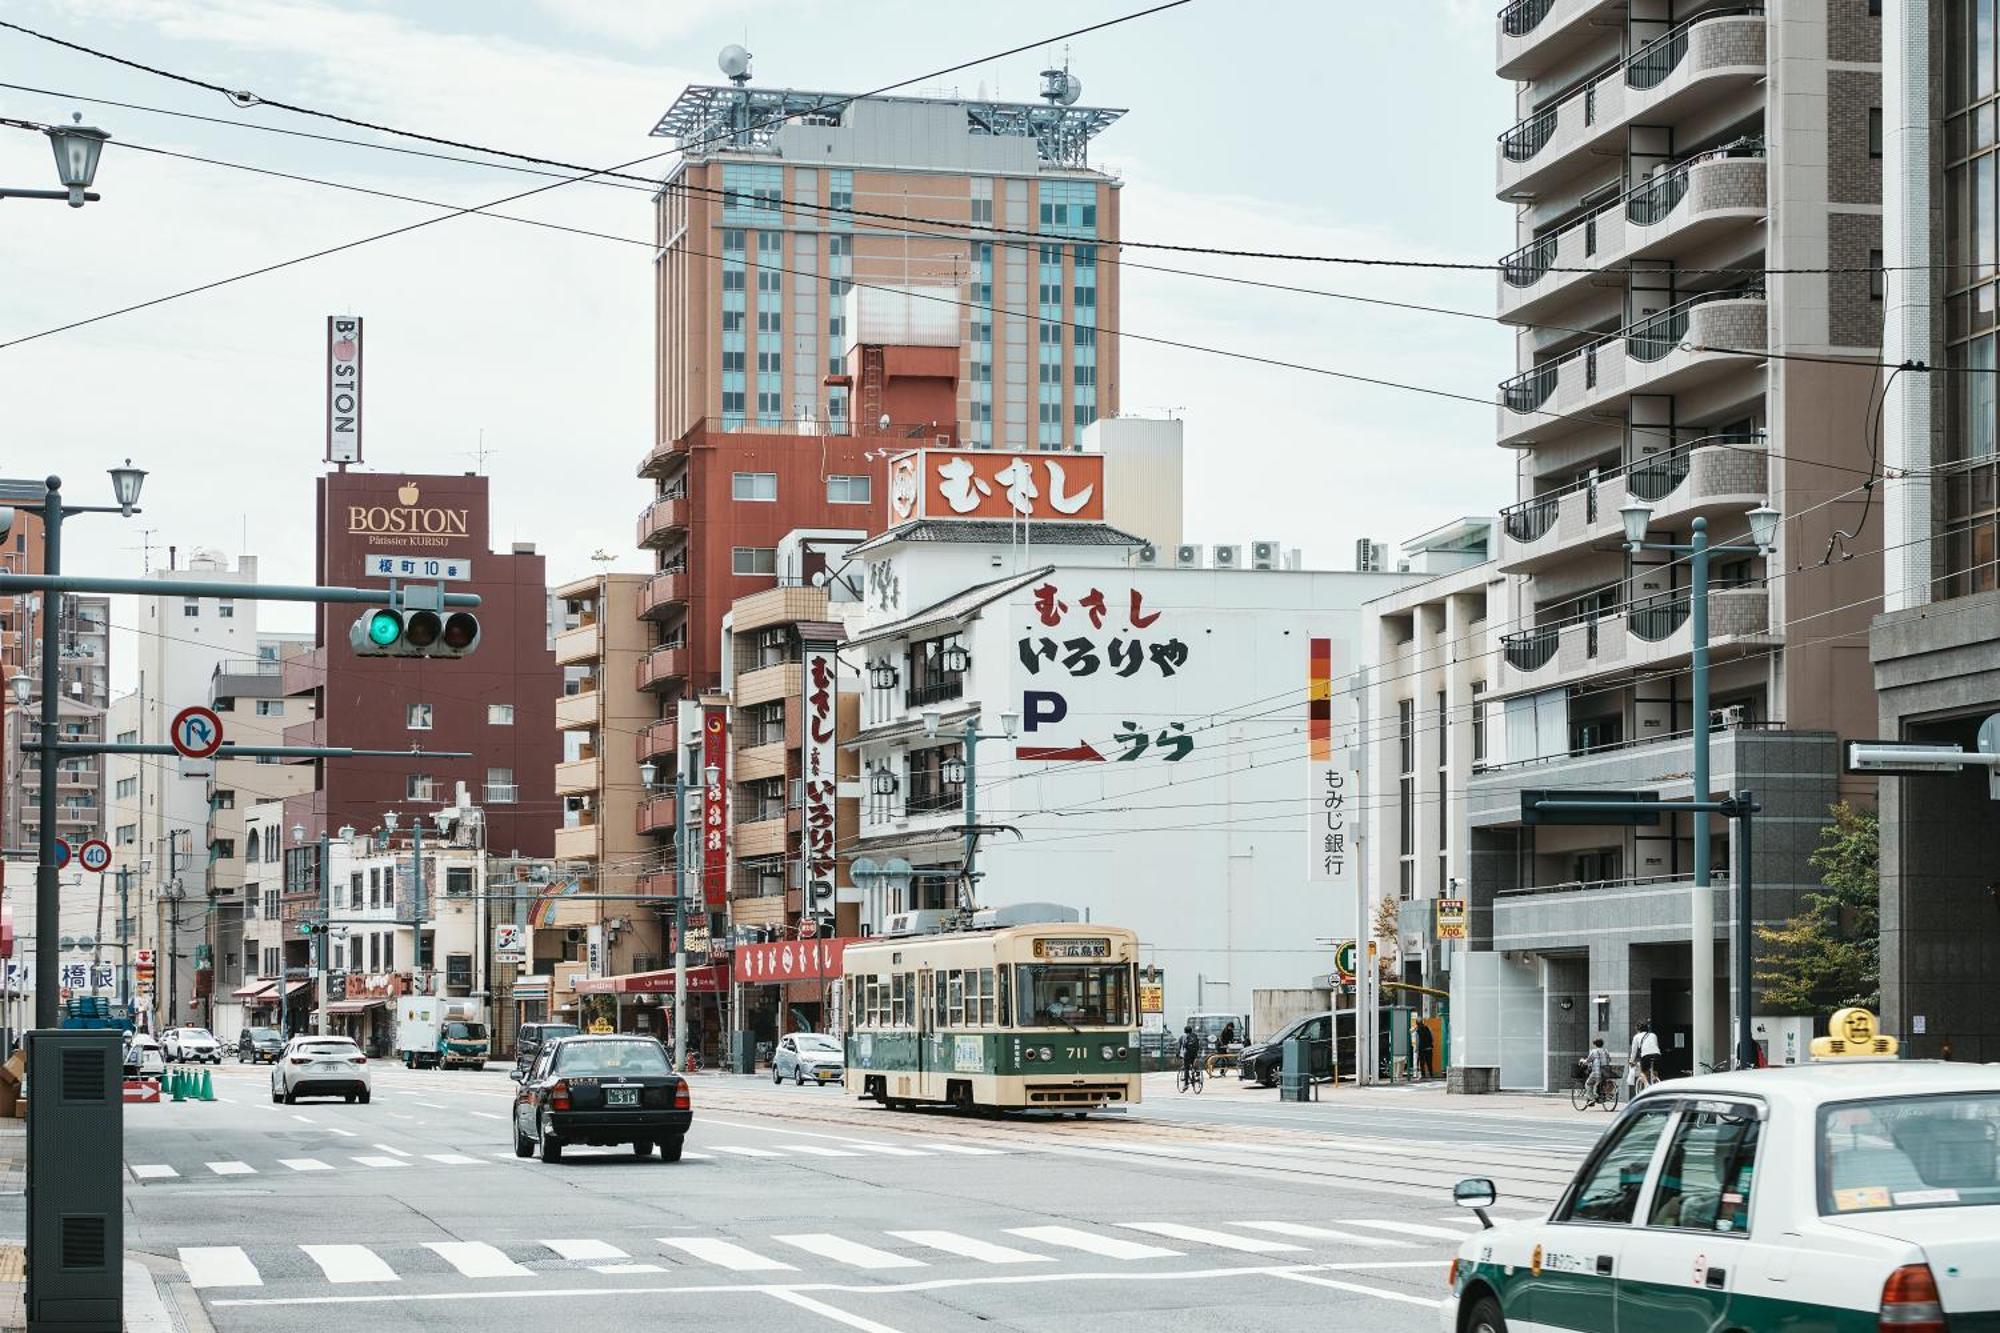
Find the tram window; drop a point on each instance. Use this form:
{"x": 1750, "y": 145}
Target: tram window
{"x": 899, "y": 999}
{"x": 987, "y": 996}
{"x": 1073, "y": 994}
{"x": 1001, "y": 975}
{"x": 955, "y": 998}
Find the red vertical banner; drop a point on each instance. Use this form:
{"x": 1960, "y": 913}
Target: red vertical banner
{"x": 818, "y": 857}
{"x": 714, "y": 886}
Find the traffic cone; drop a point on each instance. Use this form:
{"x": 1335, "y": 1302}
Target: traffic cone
{"x": 180, "y": 1088}
{"x": 207, "y": 1087}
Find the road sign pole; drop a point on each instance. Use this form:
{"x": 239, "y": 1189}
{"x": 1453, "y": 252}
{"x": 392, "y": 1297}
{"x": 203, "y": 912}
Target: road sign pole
{"x": 48, "y": 902}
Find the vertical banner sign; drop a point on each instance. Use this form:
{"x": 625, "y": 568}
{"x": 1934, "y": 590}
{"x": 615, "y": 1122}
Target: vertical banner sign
{"x": 714, "y": 886}
{"x": 817, "y": 860}
{"x": 343, "y": 388}
{"x": 1327, "y": 825}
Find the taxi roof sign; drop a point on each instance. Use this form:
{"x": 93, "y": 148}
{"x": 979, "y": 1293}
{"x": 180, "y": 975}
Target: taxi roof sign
{"x": 1855, "y": 1033}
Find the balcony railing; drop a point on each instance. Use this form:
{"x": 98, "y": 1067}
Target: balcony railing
{"x": 1654, "y": 620}
{"x": 927, "y": 796}
{"x": 1656, "y": 478}
{"x": 1530, "y": 520}
{"x": 1531, "y": 388}
{"x": 1524, "y": 16}
{"x": 937, "y": 691}
{"x": 1646, "y": 68}
{"x": 1719, "y": 875}
{"x": 1531, "y": 650}
{"x": 1648, "y": 339}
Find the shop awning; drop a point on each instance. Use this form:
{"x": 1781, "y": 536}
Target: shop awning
{"x": 354, "y": 1006}
{"x": 710, "y": 980}
{"x": 252, "y": 991}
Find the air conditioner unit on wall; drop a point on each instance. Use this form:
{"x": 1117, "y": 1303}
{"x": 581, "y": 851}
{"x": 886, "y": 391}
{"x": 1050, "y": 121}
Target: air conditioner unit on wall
{"x": 1148, "y": 554}
{"x": 1266, "y": 555}
{"x": 1187, "y": 557}
{"x": 1226, "y": 557}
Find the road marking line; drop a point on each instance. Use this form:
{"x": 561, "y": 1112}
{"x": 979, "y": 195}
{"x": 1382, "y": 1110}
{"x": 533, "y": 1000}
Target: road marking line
{"x": 454, "y": 1159}
{"x": 232, "y": 1168}
{"x": 967, "y": 1150}
{"x": 394, "y": 1152}
{"x": 381, "y": 1161}
{"x": 305, "y": 1120}
{"x": 838, "y": 1316}
{"x": 1110, "y": 1247}
{"x": 829, "y": 1246}
{"x": 398, "y": 1115}
{"x": 219, "y": 1266}
{"x": 433, "y": 1106}
{"x": 350, "y": 1263}
{"x": 1219, "y": 1239}
{"x": 968, "y": 1247}
{"x": 746, "y": 1152}
{"x": 304, "y": 1164}
{"x": 1402, "y": 1228}
{"x": 488, "y": 1115}
{"x": 584, "y": 1249}
{"x": 503, "y": 1156}
{"x": 726, "y": 1253}
{"x": 1429, "y": 1303}
{"x": 154, "y": 1172}
{"x": 1469, "y": 1223}
{"x": 814, "y": 1150}
{"x": 886, "y": 1150}
{"x": 1305, "y": 1232}
{"x": 627, "y": 1268}
{"x": 690, "y": 1156}
{"x": 344, "y": 1133}
{"x": 476, "y": 1258}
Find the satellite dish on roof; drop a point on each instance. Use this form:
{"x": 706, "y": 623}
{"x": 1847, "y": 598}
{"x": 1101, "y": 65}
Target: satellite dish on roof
{"x": 1072, "y": 88}
{"x": 1060, "y": 87}
{"x": 735, "y": 63}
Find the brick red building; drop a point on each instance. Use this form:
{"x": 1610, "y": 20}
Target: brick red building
{"x": 498, "y": 703}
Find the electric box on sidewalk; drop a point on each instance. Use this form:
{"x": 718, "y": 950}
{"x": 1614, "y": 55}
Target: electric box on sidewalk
{"x": 76, "y": 1229}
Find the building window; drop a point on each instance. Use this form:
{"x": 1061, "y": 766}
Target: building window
{"x": 1478, "y": 722}
{"x": 1406, "y": 829}
{"x": 222, "y": 849}
{"x": 418, "y": 717}
{"x": 1874, "y": 131}
{"x": 354, "y": 891}
{"x": 1406, "y": 735}
{"x": 500, "y": 789}
{"x": 225, "y": 608}
{"x": 375, "y": 887}
{"x": 420, "y": 787}
{"x": 128, "y": 738}
{"x": 128, "y": 834}
{"x": 127, "y": 787}
{"x": 458, "y": 881}
{"x": 753, "y": 485}
{"x": 929, "y": 680}
{"x": 224, "y": 800}
{"x": 270, "y": 708}
{"x": 499, "y": 715}
{"x": 458, "y": 971}
{"x": 190, "y": 606}
{"x": 850, "y": 490}
{"x": 1876, "y": 277}
{"x": 929, "y": 791}
{"x": 753, "y": 560}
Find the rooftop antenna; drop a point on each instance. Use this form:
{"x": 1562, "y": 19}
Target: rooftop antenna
{"x": 735, "y": 64}
{"x": 480, "y": 453}
{"x": 1059, "y": 86}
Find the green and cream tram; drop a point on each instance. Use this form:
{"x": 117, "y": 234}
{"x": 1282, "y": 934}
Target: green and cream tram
{"x": 1037, "y": 1017}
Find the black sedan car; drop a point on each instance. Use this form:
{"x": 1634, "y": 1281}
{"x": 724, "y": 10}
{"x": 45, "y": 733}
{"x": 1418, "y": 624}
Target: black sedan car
{"x": 259, "y": 1046}
{"x": 528, "y": 1041}
{"x": 601, "y": 1090}
{"x": 1262, "y": 1062}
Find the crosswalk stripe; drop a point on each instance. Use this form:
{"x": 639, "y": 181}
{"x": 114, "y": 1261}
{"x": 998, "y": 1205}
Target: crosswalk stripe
{"x": 476, "y": 1258}
{"x": 488, "y": 1115}
{"x": 688, "y": 1156}
{"x": 886, "y": 1149}
{"x": 1466, "y": 1223}
{"x": 232, "y": 1168}
{"x": 745, "y": 1152}
{"x": 1403, "y": 1228}
{"x": 1306, "y": 1232}
{"x": 726, "y": 1253}
{"x": 350, "y": 1263}
{"x": 454, "y": 1159}
{"x": 966, "y": 1149}
{"x": 1110, "y": 1247}
{"x": 843, "y": 1251}
{"x": 344, "y": 1133}
{"x": 304, "y": 1164}
{"x": 969, "y": 1247}
{"x": 154, "y": 1172}
{"x": 585, "y": 1249}
{"x": 814, "y": 1150}
{"x": 381, "y": 1161}
{"x": 1220, "y": 1239}
{"x": 219, "y": 1266}
{"x": 393, "y": 1152}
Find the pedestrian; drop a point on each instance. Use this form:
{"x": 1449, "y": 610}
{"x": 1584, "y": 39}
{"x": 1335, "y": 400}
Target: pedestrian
{"x": 1643, "y": 1069}
{"x": 1426, "y": 1050}
{"x": 1228, "y": 1039}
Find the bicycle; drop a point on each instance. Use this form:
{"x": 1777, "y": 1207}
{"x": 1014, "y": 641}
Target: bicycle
{"x": 1190, "y": 1078}
{"x": 1583, "y": 1095}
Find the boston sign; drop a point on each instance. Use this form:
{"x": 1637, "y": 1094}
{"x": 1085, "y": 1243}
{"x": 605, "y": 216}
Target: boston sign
{"x": 406, "y": 523}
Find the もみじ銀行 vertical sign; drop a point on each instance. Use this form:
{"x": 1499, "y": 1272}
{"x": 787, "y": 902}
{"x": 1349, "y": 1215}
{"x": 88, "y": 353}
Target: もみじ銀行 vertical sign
{"x": 1330, "y": 812}
{"x": 343, "y": 388}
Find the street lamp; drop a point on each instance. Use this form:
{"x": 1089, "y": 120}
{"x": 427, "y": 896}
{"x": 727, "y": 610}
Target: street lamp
{"x": 77, "y": 147}
{"x": 21, "y": 686}
{"x": 963, "y": 772}
{"x": 882, "y": 674}
{"x": 1636, "y": 516}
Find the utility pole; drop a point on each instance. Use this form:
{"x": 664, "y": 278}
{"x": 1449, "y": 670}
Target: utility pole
{"x": 325, "y": 927}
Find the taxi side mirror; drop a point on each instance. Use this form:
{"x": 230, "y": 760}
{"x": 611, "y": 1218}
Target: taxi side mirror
{"x": 1478, "y": 1194}
{"x": 514, "y": 1074}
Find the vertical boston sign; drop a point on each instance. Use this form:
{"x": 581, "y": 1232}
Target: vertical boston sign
{"x": 714, "y": 887}
{"x": 818, "y": 859}
{"x": 343, "y": 388}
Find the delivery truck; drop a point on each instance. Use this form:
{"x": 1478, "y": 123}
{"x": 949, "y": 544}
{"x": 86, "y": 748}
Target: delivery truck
{"x": 437, "y": 1033}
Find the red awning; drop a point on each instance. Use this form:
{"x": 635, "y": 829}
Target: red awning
{"x": 252, "y": 991}
{"x": 710, "y": 979}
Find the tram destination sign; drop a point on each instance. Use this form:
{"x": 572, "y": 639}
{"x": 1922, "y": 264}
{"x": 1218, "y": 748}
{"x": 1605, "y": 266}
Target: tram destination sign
{"x": 1065, "y": 947}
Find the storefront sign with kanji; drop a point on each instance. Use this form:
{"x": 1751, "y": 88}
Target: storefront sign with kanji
{"x": 980, "y": 483}
{"x": 817, "y": 858}
{"x": 714, "y": 884}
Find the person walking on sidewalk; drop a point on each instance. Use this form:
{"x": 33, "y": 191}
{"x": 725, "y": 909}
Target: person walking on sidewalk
{"x": 1645, "y": 1057}
{"x": 1426, "y": 1050}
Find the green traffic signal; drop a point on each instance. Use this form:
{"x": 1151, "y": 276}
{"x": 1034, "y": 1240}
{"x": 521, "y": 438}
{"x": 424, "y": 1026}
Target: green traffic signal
{"x": 384, "y": 628}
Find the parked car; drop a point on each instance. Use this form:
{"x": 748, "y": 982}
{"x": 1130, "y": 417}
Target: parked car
{"x": 1263, "y": 1061}
{"x": 530, "y": 1037}
{"x": 143, "y": 1056}
{"x": 808, "y": 1055}
{"x": 321, "y": 1067}
{"x": 195, "y": 1045}
{"x": 259, "y": 1046}
{"x": 601, "y": 1090}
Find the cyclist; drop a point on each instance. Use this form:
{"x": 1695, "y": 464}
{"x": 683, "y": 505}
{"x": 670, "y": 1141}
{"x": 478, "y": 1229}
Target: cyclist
{"x": 1645, "y": 1056}
{"x": 1597, "y": 1070}
{"x": 1190, "y": 1050}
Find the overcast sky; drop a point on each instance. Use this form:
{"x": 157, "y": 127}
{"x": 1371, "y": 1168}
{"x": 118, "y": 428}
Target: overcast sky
{"x": 1329, "y": 128}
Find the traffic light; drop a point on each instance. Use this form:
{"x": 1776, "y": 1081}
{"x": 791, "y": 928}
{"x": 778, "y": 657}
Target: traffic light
{"x": 307, "y": 928}
{"x": 399, "y": 632}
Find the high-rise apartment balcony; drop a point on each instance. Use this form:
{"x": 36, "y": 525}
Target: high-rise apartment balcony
{"x": 1712, "y": 477}
{"x": 760, "y": 761}
{"x": 584, "y": 643}
{"x": 656, "y": 813}
{"x": 666, "y": 517}
{"x": 1682, "y": 206}
{"x": 1536, "y": 35}
{"x": 578, "y": 842}
{"x": 666, "y": 593}
{"x": 780, "y": 680}
{"x": 668, "y": 456}
{"x": 1698, "y": 61}
{"x": 1706, "y": 337}
{"x": 577, "y": 707}
{"x": 657, "y": 739}
{"x": 576, "y": 776}
{"x": 663, "y": 666}
{"x": 1646, "y": 634}
{"x": 761, "y": 837}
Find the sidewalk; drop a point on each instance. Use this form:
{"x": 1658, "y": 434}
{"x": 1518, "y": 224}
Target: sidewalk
{"x": 1428, "y": 1096}
{"x": 13, "y": 1224}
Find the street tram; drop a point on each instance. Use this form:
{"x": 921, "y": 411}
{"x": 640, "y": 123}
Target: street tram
{"x": 1011, "y": 1014}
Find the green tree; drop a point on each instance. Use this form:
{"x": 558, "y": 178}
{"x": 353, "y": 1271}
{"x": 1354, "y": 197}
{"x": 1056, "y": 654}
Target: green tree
{"x": 1828, "y": 955}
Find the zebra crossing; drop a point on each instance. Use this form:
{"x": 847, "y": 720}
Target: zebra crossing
{"x": 234, "y": 1268}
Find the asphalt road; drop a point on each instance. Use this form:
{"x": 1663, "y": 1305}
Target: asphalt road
{"x": 801, "y": 1208}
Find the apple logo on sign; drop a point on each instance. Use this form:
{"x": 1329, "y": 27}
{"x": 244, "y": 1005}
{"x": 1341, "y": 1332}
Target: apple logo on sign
{"x": 344, "y": 349}
{"x": 407, "y": 493}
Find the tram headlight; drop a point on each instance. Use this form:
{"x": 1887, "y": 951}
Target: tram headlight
{"x": 1048, "y": 1054}
{"x": 1107, "y": 1052}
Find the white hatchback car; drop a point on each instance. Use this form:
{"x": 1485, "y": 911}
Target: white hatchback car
{"x": 1834, "y": 1195}
{"x": 143, "y": 1057}
{"x": 808, "y": 1055}
{"x": 195, "y": 1045}
{"x": 320, "y": 1067}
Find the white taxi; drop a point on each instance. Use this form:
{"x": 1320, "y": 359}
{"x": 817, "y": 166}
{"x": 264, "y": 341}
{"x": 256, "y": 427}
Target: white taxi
{"x": 1830, "y": 1196}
